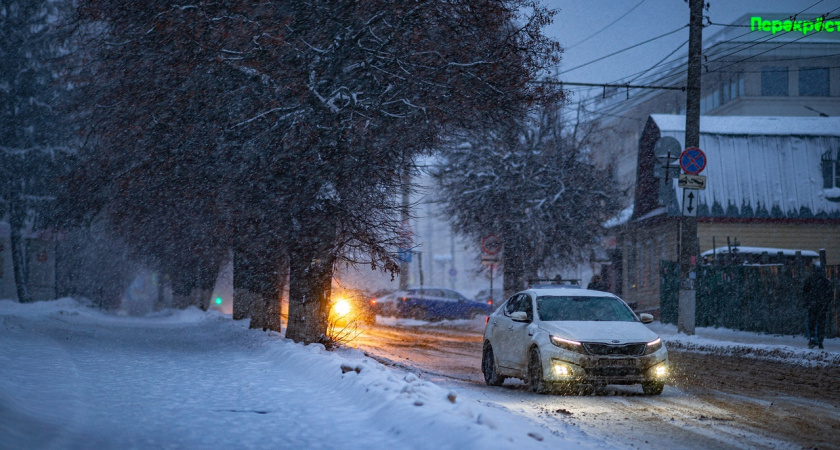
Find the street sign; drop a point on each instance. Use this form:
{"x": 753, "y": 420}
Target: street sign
{"x": 491, "y": 244}
{"x": 692, "y": 181}
{"x": 667, "y": 149}
{"x": 692, "y": 160}
{"x": 489, "y": 260}
{"x": 689, "y": 204}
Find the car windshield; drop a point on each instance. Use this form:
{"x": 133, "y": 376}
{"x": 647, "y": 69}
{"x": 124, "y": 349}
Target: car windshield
{"x": 583, "y": 308}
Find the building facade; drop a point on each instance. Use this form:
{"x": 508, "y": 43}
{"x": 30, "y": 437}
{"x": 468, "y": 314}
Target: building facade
{"x": 771, "y": 182}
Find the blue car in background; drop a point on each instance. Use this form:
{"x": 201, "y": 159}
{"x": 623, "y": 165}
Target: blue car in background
{"x": 435, "y": 303}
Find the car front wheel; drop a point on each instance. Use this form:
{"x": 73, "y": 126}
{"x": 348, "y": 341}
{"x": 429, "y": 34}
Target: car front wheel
{"x": 488, "y": 367}
{"x": 535, "y": 373}
{"x": 653, "y": 388}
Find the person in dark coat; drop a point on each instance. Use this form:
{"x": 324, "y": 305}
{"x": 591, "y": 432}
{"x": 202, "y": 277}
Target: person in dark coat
{"x": 596, "y": 284}
{"x": 817, "y": 295}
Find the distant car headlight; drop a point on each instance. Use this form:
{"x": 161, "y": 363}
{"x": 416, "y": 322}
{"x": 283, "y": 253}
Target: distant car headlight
{"x": 567, "y": 344}
{"x": 653, "y": 346}
{"x": 342, "y": 308}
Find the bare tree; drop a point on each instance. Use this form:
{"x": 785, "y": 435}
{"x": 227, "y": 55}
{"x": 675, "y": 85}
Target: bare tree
{"x": 533, "y": 185}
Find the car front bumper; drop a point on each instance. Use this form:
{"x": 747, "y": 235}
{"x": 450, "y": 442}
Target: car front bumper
{"x": 561, "y": 366}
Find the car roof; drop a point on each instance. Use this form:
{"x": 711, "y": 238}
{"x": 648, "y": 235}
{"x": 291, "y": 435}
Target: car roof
{"x": 417, "y": 288}
{"x": 568, "y": 290}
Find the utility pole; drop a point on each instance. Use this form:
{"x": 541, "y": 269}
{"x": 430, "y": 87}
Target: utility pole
{"x": 407, "y": 238}
{"x": 688, "y": 229}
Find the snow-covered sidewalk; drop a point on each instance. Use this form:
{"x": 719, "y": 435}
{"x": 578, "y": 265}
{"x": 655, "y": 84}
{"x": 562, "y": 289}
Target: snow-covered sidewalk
{"x": 789, "y": 349}
{"x": 73, "y": 377}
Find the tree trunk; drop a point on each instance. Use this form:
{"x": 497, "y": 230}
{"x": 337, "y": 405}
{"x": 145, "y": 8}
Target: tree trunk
{"x": 243, "y": 298}
{"x": 514, "y": 272}
{"x": 258, "y": 280}
{"x": 206, "y": 273}
{"x": 16, "y": 224}
{"x": 183, "y": 284}
{"x": 310, "y": 284}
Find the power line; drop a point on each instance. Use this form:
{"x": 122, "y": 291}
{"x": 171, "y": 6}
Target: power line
{"x": 660, "y": 62}
{"x": 611, "y": 85}
{"x": 623, "y": 50}
{"x": 737, "y": 49}
{"x": 754, "y": 43}
{"x": 609, "y": 25}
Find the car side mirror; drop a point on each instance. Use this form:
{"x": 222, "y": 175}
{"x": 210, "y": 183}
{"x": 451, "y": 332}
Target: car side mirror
{"x": 519, "y": 316}
{"x": 645, "y": 318}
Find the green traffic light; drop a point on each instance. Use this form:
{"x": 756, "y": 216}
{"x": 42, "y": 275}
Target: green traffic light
{"x": 218, "y": 300}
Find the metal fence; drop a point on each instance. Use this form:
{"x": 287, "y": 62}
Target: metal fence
{"x": 762, "y": 298}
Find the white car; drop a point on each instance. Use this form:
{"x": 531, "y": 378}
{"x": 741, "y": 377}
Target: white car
{"x": 568, "y": 339}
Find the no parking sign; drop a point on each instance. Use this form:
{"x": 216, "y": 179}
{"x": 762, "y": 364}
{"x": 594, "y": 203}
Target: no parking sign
{"x": 692, "y": 160}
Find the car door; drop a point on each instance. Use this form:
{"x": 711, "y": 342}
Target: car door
{"x": 520, "y": 333}
{"x": 459, "y": 307}
{"x": 436, "y": 303}
{"x": 503, "y": 333}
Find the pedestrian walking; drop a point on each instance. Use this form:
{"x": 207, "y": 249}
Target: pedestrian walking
{"x": 817, "y": 295}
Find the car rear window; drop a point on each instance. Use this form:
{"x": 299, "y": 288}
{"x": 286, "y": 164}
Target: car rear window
{"x": 583, "y": 308}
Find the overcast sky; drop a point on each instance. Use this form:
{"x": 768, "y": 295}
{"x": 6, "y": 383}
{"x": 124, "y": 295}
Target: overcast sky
{"x": 577, "y": 20}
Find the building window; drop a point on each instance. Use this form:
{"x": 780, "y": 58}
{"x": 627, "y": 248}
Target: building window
{"x": 733, "y": 88}
{"x": 774, "y": 81}
{"x": 631, "y": 265}
{"x": 831, "y": 169}
{"x": 813, "y": 82}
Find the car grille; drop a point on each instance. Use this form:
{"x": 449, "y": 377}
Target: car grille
{"x": 614, "y": 349}
{"x": 614, "y": 372}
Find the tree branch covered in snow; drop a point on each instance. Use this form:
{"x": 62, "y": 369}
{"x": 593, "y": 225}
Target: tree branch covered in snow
{"x": 531, "y": 184}
{"x": 288, "y": 124}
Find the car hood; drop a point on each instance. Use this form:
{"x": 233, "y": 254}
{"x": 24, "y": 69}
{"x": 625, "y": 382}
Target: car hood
{"x": 606, "y": 332}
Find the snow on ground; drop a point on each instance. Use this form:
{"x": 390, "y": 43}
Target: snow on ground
{"x": 721, "y": 341}
{"x": 477, "y": 324}
{"x": 74, "y": 377}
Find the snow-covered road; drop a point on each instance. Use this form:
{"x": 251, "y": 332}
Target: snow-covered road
{"x": 72, "y": 377}
{"x": 730, "y": 389}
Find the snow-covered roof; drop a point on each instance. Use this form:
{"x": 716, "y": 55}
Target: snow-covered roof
{"x": 620, "y": 219}
{"x": 762, "y": 165}
{"x": 760, "y": 250}
{"x": 753, "y": 125}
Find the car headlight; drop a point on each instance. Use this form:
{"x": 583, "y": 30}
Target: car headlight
{"x": 567, "y": 344}
{"x": 342, "y": 308}
{"x": 653, "y": 346}
{"x": 659, "y": 371}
